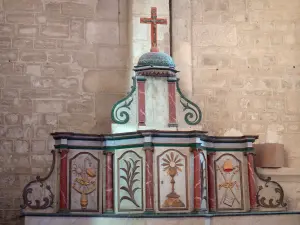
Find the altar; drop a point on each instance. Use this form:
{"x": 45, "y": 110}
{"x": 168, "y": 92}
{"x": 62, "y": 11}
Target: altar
{"x": 156, "y": 166}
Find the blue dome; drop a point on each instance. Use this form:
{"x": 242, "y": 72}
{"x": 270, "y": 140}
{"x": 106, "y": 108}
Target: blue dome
{"x": 156, "y": 59}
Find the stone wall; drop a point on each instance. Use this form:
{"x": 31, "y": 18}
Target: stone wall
{"x": 63, "y": 63}
{"x": 245, "y": 66}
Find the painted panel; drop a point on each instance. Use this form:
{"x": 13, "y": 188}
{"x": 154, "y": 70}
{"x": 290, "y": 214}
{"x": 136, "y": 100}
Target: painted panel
{"x": 229, "y": 185}
{"x": 130, "y": 182}
{"x": 172, "y": 168}
{"x": 84, "y": 176}
{"x": 157, "y": 103}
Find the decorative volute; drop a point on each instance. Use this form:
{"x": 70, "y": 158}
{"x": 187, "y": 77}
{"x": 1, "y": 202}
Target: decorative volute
{"x": 155, "y": 100}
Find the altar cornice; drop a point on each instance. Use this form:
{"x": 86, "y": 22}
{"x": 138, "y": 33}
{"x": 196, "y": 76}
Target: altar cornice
{"x": 193, "y": 139}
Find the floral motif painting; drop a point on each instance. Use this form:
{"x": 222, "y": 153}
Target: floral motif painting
{"x": 130, "y": 182}
{"x": 172, "y": 181}
{"x": 229, "y": 189}
{"x": 84, "y": 170}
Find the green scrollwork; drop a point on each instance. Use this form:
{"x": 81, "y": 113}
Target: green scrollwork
{"x": 119, "y": 112}
{"x": 193, "y": 115}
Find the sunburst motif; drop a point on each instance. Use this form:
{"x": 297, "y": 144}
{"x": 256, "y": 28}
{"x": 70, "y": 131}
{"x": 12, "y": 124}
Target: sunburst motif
{"x": 171, "y": 163}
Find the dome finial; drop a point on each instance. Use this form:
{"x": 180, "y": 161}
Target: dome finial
{"x": 153, "y": 21}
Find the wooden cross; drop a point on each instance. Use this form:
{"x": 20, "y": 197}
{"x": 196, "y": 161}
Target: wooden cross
{"x": 153, "y": 21}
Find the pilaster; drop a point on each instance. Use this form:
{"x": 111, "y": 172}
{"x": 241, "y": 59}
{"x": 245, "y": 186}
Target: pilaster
{"x": 63, "y": 187}
{"x": 109, "y": 193}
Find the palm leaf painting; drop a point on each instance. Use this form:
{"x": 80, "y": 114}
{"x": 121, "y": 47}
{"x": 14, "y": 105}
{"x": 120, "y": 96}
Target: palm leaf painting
{"x": 131, "y": 172}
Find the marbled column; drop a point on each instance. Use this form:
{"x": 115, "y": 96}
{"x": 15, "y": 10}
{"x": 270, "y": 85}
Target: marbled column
{"x": 141, "y": 102}
{"x": 63, "y": 192}
{"x": 149, "y": 179}
{"x": 251, "y": 181}
{"x": 211, "y": 181}
{"x": 109, "y": 194}
{"x": 197, "y": 180}
{"x": 172, "y": 102}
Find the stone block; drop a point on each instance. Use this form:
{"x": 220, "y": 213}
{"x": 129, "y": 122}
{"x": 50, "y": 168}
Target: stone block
{"x": 54, "y": 31}
{"x": 277, "y": 104}
{"x": 23, "y": 5}
{"x": 33, "y": 69}
{"x": 76, "y": 9}
{"x": 20, "y": 18}
{"x": 2, "y": 82}
{"x": 2, "y": 131}
{"x": 76, "y": 120}
{"x": 216, "y": 60}
{"x": 41, "y": 160}
{"x": 268, "y": 116}
{"x": 11, "y": 105}
{"x": 1, "y": 119}
{"x": 104, "y": 104}
{"x": 5, "y": 42}
{"x": 34, "y": 93}
{"x": 38, "y": 146}
{"x": 10, "y": 93}
{"x": 10, "y": 181}
{"x": 67, "y": 83}
{"x": 42, "y": 132}
{"x": 77, "y": 29}
{"x": 268, "y": 60}
{"x": 102, "y": 32}
{"x": 220, "y": 35}
{"x": 19, "y": 68}
{"x": 218, "y": 5}
{"x": 59, "y": 57}
{"x": 8, "y": 55}
{"x": 253, "y": 128}
{"x": 54, "y": 69}
{"x": 85, "y": 59}
{"x": 15, "y": 132}
{"x": 22, "y": 146}
{"x": 105, "y": 81}
{"x": 269, "y": 155}
{"x": 6, "y": 146}
{"x": 6, "y": 203}
{"x": 27, "y": 30}
{"x": 7, "y": 30}
{"x": 43, "y": 82}
{"x": 33, "y": 56}
{"x": 109, "y": 9}
{"x": 293, "y": 127}
{"x": 45, "y": 44}
{"x": 22, "y": 43}
{"x": 112, "y": 57}
{"x": 2, "y": 16}
{"x": 47, "y": 106}
{"x": 12, "y": 119}
{"x": 208, "y": 78}
{"x": 53, "y": 8}
{"x": 74, "y": 45}
{"x": 80, "y": 106}
{"x": 65, "y": 94}
{"x": 30, "y": 119}
{"x": 49, "y": 119}
{"x": 18, "y": 81}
